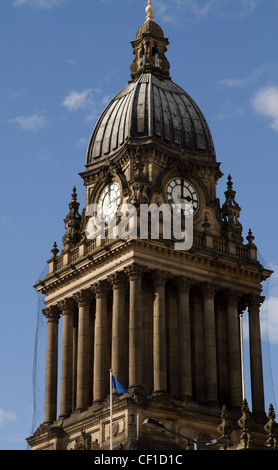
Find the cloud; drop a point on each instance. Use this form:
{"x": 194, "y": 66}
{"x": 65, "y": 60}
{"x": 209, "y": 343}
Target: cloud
{"x": 229, "y": 112}
{"x": 7, "y": 416}
{"x": 269, "y": 318}
{"x": 268, "y": 69}
{"x": 265, "y": 103}
{"x": 71, "y": 62}
{"x": 244, "y": 82}
{"x": 88, "y": 100}
{"x": 31, "y": 123}
{"x": 169, "y": 10}
{"x": 39, "y": 4}
{"x": 248, "y": 6}
{"x": 76, "y": 100}
{"x": 44, "y": 155}
{"x": 83, "y": 142}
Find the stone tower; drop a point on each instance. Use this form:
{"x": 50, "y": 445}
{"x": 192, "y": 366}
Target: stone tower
{"x": 165, "y": 320}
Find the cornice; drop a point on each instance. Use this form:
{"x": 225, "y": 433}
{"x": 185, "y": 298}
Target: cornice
{"x": 206, "y": 259}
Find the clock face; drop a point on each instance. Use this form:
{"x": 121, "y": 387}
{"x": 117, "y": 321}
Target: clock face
{"x": 178, "y": 192}
{"x": 109, "y": 202}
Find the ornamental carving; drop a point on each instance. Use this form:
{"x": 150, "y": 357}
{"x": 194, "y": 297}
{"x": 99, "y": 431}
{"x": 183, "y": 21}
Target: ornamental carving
{"x": 82, "y": 297}
{"x": 51, "y": 313}
{"x": 83, "y": 442}
{"x": 246, "y": 423}
{"x": 271, "y": 428}
{"x": 139, "y": 186}
{"x": 72, "y": 223}
{"x": 231, "y": 212}
{"x": 139, "y": 192}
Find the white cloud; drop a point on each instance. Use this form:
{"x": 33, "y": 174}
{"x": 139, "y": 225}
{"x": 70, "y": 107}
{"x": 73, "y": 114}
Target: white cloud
{"x": 244, "y": 82}
{"x": 83, "y": 142}
{"x": 7, "y": 416}
{"x": 44, "y": 155}
{"x": 269, "y": 70}
{"x": 89, "y": 100}
{"x": 39, "y": 4}
{"x": 248, "y": 6}
{"x": 228, "y": 111}
{"x": 169, "y": 10}
{"x": 78, "y": 99}
{"x": 269, "y": 309}
{"x": 269, "y": 320}
{"x": 71, "y": 61}
{"x": 37, "y": 121}
{"x": 265, "y": 103}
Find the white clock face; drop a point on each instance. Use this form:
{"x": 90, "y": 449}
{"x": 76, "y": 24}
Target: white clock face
{"x": 109, "y": 202}
{"x": 182, "y": 194}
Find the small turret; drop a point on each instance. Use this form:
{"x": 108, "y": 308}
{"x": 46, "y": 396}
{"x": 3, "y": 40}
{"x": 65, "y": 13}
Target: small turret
{"x": 72, "y": 223}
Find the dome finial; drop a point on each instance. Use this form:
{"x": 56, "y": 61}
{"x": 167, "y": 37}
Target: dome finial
{"x": 149, "y": 11}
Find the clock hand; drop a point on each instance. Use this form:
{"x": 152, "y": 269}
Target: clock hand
{"x": 182, "y": 197}
{"x": 187, "y": 198}
{"x": 108, "y": 204}
{"x": 182, "y": 189}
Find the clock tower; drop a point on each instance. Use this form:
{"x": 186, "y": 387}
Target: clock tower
{"x": 130, "y": 298}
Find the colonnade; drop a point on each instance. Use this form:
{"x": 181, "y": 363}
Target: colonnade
{"x": 159, "y": 334}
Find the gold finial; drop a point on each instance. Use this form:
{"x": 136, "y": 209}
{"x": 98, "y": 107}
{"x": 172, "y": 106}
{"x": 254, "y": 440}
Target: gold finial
{"x": 149, "y": 11}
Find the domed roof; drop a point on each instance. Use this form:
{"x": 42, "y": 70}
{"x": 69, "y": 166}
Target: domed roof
{"x": 150, "y": 27}
{"x": 150, "y": 107}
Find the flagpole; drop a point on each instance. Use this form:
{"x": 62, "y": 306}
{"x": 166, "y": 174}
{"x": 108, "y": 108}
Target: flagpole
{"x": 111, "y": 411}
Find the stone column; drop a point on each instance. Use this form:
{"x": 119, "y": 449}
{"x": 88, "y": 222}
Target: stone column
{"x": 66, "y": 307}
{"x": 82, "y": 380}
{"x": 256, "y": 366}
{"x": 210, "y": 344}
{"x": 198, "y": 358}
{"x": 185, "y": 367}
{"x": 159, "y": 334}
{"x": 50, "y": 409}
{"x": 135, "y": 328}
{"x": 234, "y": 350}
{"x": 101, "y": 365}
{"x": 118, "y": 354}
{"x": 74, "y": 359}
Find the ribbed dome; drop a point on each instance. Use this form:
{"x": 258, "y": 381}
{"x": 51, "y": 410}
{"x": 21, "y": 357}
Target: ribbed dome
{"x": 150, "y": 107}
{"x": 150, "y": 27}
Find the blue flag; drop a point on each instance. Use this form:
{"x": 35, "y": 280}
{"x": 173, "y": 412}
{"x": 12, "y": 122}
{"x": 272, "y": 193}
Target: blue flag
{"x": 119, "y": 387}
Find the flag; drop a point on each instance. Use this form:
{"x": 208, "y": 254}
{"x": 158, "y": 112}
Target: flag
{"x": 119, "y": 387}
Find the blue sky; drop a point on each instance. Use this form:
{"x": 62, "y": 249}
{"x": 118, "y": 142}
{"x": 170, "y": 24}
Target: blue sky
{"x": 61, "y": 63}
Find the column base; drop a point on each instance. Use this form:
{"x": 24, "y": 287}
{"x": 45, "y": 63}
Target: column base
{"x": 187, "y": 398}
{"x": 136, "y": 391}
{"x": 64, "y": 416}
{"x": 160, "y": 396}
{"x": 79, "y": 410}
{"x": 213, "y": 403}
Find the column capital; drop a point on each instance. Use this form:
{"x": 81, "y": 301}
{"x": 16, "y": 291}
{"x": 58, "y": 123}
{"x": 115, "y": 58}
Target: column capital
{"x": 159, "y": 278}
{"x": 66, "y": 305}
{"x": 117, "y": 279}
{"x": 233, "y": 295}
{"x": 52, "y": 313}
{"x": 184, "y": 283}
{"x": 208, "y": 289}
{"x": 82, "y": 297}
{"x": 100, "y": 288}
{"x": 254, "y": 300}
{"x": 135, "y": 271}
